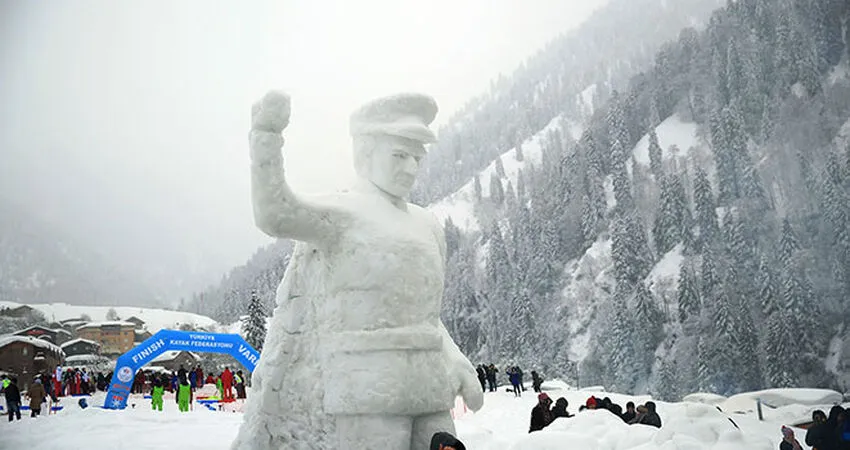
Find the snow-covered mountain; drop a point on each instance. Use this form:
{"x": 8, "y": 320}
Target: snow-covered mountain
{"x": 39, "y": 265}
{"x": 155, "y": 319}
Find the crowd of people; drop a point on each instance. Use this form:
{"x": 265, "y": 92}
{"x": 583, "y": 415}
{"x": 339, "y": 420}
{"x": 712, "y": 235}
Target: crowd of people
{"x": 47, "y": 389}
{"x": 825, "y": 433}
{"x": 543, "y": 414}
{"x": 487, "y": 377}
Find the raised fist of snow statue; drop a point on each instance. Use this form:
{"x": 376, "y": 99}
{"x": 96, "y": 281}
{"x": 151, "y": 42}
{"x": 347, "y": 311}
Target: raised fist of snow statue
{"x": 356, "y": 355}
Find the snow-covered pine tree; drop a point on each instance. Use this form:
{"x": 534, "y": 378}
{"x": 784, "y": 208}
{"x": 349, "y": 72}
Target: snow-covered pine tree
{"x": 767, "y": 287}
{"x": 649, "y": 325}
{"x": 688, "y": 296}
{"x": 668, "y": 386}
{"x": 476, "y": 185}
{"x": 254, "y": 324}
{"x": 620, "y": 178}
{"x": 500, "y": 167}
{"x": 788, "y": 244}
{"x": 705, "y": 210}
{"x": 673, "y": 216}
{"x": 655, "y": 155}
{"x": 497, "y": 192}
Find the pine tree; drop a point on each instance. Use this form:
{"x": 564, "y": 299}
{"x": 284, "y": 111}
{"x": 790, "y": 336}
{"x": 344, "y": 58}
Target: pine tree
{"x": 655, "y": 155}
{"x": 476, "y": 184}
{"x": 668, "y": 389}
{"x": 519, "y": 153}
{"x": 620, "y": 178}
{"x": 623, "y": 364}
{"x": 767, "y": 288}
{"x": 649, "y": 323}
{"x": 497, "y": 192}
{"x": 788, "y": 245}
{"x": 705, "y": 210}
{"x": 500, "y": 167}
{"x": 673, "y": 217}
{"x": 688, "y": 297}
{"x": 617, "y": 131}
{"x": 630, "y": 252}
{"x": 254, "y": 324}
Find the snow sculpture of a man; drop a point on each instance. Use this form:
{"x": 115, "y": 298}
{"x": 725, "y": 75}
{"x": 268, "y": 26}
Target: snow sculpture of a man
{"x": 356, "y": 355}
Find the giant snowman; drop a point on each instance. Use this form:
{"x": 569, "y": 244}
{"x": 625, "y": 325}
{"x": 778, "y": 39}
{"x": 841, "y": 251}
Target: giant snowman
{"x": 356, "y": 355}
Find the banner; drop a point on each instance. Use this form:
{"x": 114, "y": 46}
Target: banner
{"x": 167, "y": 340}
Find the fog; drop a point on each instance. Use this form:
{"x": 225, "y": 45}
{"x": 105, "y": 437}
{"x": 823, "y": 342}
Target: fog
{"x": 124, "y": 124}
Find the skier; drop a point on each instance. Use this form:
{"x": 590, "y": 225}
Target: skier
{"x": 156, "y": 395}
{"x": 184, "y": 395}
{"x": 193, "y": 379}
{"x": 240, "y": 384}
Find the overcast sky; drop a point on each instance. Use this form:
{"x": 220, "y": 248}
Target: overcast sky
{"x": 126, "y": 121}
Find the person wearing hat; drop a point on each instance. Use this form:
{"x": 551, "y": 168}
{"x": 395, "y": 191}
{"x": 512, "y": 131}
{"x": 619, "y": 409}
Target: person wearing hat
{"x": 788, "y": 440}
{"x": 541, "y": 415}
{"x": 359, "y": 355}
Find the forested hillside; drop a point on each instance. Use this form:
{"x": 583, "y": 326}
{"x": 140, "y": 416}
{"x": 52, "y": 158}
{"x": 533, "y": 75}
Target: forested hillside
{"x": 723, "y": 266}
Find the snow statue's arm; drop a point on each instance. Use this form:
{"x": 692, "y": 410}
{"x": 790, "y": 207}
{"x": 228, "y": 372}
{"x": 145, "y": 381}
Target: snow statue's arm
{"x": 462, "y": 371}
{"x": 278, "y": 212}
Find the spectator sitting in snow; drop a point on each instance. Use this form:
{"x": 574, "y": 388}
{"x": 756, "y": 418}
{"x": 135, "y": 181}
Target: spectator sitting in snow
{"x": 630, "y": 412}
{"x": 641, "y": 411}
{"x": 611, "y": 406}
{"x": 788, "y": 441}
{"x": 445, "y": 441}
{"x": 560, "y": 409}
{"x": 591, "y": 403}
{"x": 541, "y": 416}
{"x": 651, "y": 417}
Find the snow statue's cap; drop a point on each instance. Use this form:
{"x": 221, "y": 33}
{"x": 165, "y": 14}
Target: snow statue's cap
{"x": 406, "y": 115}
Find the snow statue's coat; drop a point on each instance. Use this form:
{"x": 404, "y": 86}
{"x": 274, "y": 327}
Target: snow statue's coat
{"x": 356, "y": 355}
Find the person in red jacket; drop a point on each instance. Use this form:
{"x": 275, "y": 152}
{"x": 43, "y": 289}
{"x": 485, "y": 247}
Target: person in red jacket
{"x": 78, "y": 378}
{"x": 200, "y": 376}
{"x": 210, "y": 379}
{"x": 227, "y": 384}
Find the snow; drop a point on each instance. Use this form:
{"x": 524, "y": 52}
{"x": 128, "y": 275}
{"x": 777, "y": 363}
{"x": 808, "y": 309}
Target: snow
{"x": 587, "y": 97}
{"x": 460, "y": 206}
{"x": 776, "y": 398}
{"x": 171, "y": 355}
{"x": 585, "y": 283}
{"x": 664, "y": 276}
{"x": 40, "y": 343}
{"x": 839, "y": 72}
{"x": 155, "y": 319}
{"x": 74, "y": 341}
{"x": 501, "y": 424}
{"x": 107, "y": 323}
{"x": 705, "y": 398}
{"x": 672, "y": 131}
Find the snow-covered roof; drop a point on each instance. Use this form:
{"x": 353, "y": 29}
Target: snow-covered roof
{"x": 84, "y": 358}
{"x": 114, "y": 323}
{"x": 59, "y": 330}
{"x": 74, "y": 341}
{"x": 40, "y": 343}
{"x": 35, "y": 327}
{"x": 172, "y": 354}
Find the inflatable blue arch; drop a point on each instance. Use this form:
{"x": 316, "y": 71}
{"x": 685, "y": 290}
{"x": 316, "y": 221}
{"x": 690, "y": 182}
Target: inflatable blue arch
{"x": 166, "y": 340}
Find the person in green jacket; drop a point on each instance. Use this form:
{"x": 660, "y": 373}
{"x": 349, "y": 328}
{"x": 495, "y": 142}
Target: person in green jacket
{"x": 184, "y": 394}
{"x": 156, "y": 395}
{"x": 219, "y": 386}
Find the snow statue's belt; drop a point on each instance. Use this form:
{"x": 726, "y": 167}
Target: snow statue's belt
{"x": 374, "y": 372}
{"x": 383, "y": 339}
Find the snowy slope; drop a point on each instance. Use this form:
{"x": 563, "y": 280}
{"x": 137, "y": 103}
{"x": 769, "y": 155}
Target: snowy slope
{"x": 460, "y": 205}
{"x": 672, "y": 131}
{"x": 155, "y": 319}
{"x": 502, "y": 424}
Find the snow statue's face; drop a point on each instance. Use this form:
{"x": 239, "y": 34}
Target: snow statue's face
{"x": 389, "y": 162}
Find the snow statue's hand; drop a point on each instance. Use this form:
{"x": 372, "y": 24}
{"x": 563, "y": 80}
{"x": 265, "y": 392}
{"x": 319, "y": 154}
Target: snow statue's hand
{"x": 271, "y": 113}
{"x": 470, "y": 388}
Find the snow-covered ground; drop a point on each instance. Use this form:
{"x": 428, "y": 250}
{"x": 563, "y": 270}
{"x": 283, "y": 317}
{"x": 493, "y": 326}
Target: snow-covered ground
{"x": 501, "y": 425}
{"x": 155, "y": 319}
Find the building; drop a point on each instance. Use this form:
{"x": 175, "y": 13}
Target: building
{"x": 26, "y": 357}
{"x": 142, "y": 335}
{"x": 115, "y": 338}
{"x": 54, "y": 336}
{"x": 140, "y": 324}
{"x": 172, "y": 360}
{"x": 80, "y": 346}
{"x": 19, "y": 311}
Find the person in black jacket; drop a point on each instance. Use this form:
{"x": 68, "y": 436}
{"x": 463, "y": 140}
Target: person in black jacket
{"x": 445, "y": 441}
{"x": 541, "y": 416}
{"x": 482, "y": 377}
{"x": 13, "y": 399}
{"x": 536, "y": 381}
{"x": 651, "y": 418}
{"x": 560, "y": 409}
{"x": 630, "y": 412}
